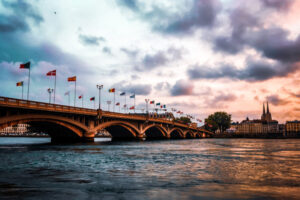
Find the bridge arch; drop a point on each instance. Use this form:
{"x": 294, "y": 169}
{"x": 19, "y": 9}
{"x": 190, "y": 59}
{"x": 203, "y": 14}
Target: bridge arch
{"x": 176, "y": 133}
{"x": 189, "y": 134}
{"x": 155, "y": 131}
{"x": 119, "y": 129}
{"x": 59, "y": 128}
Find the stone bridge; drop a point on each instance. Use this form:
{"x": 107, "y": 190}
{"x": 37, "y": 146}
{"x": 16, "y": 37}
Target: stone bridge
{"x": 66, "y": 123}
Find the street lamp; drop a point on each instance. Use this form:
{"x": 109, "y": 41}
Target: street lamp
{"x": 108, "y": 104}
{"x": 147, "y": 100}
{"x": 99, "y": 88}
{"x": 50, "y": 91}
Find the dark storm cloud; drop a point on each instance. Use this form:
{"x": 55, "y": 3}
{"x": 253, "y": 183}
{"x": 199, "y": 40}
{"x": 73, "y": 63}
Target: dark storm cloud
{"x": 182, "y": 87}
{"x": 274, "y": 43}
{"x": 91, "y": 40}
{"x": 278, "y": 4}
{"x": 22, "y": 12}
{"x": 276, "y": 100}
{"x": 129, "y": 88}
{"x": 202, "y": 13}
{"x": 254, "y": 71}
{"x": 160, "y": 58}
{"x": 240, "y": 20}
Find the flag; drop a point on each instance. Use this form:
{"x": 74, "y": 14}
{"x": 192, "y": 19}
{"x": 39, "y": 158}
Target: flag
{"x": 80, "y": 96}
{"x": 92, "y": 99}
{"x": 132, "y": 96}
{"x": 158, "y": 104}
{"x": 131, "y": 108}
{"x": 164, "y": 106}
{"x": 51, "y": 73}
{"x": 125, "y": 106}
{"x": 20, "y": 83}
{"x": 122, "y": 94}
{"x": 25, "y": 65}
{"x": 67, "y": 93}
{"x": 73, "y": 78}
{"x": 117, "y": 104}
{"x": 152, "y": 102}
{"x": 161, "y": 106}
{"x": 112, "y": 90}
{"x": 178, "y": 112}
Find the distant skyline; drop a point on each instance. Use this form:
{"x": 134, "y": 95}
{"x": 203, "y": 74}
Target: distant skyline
{"x": 198, "y": 56}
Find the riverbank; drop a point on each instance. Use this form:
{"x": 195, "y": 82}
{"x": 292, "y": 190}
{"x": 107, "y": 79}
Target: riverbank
{"x": 259, "y": 136}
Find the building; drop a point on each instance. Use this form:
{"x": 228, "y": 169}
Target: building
{"x": 18, "y": 129}
{"x": 264, "y": 126}
{"x": 292, "y": 128}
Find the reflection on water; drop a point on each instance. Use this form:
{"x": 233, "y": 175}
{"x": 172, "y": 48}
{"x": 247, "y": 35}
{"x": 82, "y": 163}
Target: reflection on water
{"x": 171, "y": 169}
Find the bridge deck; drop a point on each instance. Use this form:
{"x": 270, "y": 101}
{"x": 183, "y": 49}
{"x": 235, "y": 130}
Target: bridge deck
{"x": 35, "y": 105}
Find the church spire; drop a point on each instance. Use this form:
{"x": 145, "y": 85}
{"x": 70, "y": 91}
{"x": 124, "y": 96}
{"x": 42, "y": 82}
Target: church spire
{"x": 264, "y": 111}
{"x": 268, "y": 107}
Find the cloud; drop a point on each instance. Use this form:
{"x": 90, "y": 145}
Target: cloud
{"x": 276, "y": 100}
{"x": 274, "y": 44}
{"x": 220, "y": 100}
{"x": 240, "y": 21}
{"x": 129, "y": 52}
{"x": 254, "y": 71}
{"x": 162, "y": 86}
{"x": 201, "y": 13}
{"x": 138, "y": 89}
{"x": 18, "y": 21}
{"x": 182, "y": 87}
{"x": 160, "y": 58}
{"x": 91, "y": 40}
{"x": 106, "y": 50}
{"x": 278, "y": 4}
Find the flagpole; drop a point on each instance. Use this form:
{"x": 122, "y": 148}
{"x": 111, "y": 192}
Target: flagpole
{"x": 82, "y": 100}
{"x": 69, "y": 98}
{"x": 119, "y": 108}
{"x": 125, "y": 104}
{"x": 22, "y": 90}
{"x": 134, "y": 103}
{"x": 114, "y": 101}
{"x": 54, "y": 87}
{"x": 28, "y": 84}
{"x": 75, "y": 94}
{"x": 94, "y": 104}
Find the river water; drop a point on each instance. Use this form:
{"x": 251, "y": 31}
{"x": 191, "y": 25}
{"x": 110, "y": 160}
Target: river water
{"x": 32, "y": 168}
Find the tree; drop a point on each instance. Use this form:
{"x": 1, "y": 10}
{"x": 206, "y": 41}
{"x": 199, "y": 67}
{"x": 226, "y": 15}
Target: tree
{"x": 218, "y": 120}
{"x": 184, "y": 120}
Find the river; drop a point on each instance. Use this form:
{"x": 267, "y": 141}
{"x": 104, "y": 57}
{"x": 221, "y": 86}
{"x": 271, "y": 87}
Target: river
{"x": 32, "y": 168}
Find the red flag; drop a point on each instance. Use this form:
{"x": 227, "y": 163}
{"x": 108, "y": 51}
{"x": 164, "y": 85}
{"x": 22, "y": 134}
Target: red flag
{"x": 80, "y": 97}
{"x": 25, "y": 65}
{"x": 131, "y": 108}
{"x": 151, "y": 102}
{"x": 112, "y": 90}
{"x": 117, "y": 104}
{"x": 20, "y": 83}
{"x": 92, "y": 99}
{"x": 51, "y": 73}
{"x": 73, "y": 78}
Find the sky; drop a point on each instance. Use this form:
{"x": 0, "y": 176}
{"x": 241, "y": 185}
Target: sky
{"x": 197, "y": 56}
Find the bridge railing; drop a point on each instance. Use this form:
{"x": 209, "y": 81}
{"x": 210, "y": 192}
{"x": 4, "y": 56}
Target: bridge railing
{"x": 44, "y": 106}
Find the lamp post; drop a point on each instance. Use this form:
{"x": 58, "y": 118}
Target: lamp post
{"x": 99, "y": 88}
{"x": 147, "y": 100}
{"x": 108, "y": 104}
{"x": 50, "y": 91}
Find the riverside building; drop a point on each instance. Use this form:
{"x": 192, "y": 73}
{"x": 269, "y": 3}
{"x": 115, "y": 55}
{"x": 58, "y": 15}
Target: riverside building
{"x": 264, "y": 126}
